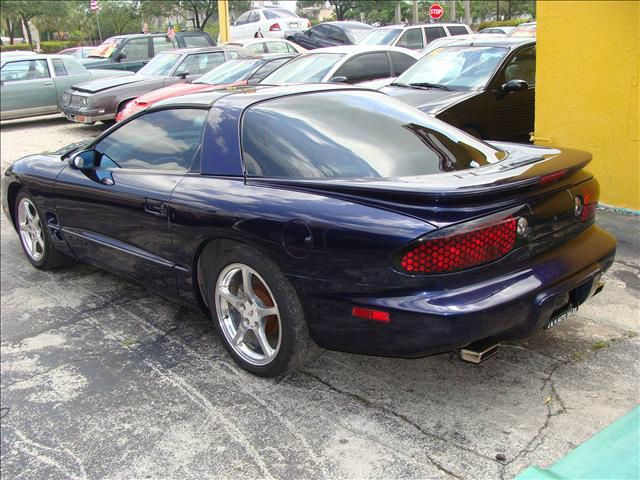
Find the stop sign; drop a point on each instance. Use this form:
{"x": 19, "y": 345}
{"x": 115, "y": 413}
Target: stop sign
{"x": 436, "y": 11}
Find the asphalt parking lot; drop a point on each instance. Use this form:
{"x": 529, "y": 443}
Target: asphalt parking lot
{"x": 101, "y": 379}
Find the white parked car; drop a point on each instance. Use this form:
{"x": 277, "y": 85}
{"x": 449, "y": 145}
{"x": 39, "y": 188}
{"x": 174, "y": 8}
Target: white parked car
{"x": 344, "y": 64}
{"x": 258, "y": 46}
{"x": 414, "y": 37}
{"x": 268, "y": 23}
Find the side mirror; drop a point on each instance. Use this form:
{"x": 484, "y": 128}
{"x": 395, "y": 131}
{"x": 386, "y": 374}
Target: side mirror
{"x": 340, "y": 79}
{"x": 308, "y": 33}
{"x": 183, "y": 75}
{"x": 515, "y": 86}
{"x": 83, "y": 160}
{"x": 119, "y": 57}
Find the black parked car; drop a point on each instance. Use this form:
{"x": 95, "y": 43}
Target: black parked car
{"x": 486, "y": 87}
{"x": 132, "y": 52}
{"x": 331, "y": 34}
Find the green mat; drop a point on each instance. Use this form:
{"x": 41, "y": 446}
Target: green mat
{"x": 613, "y": 453}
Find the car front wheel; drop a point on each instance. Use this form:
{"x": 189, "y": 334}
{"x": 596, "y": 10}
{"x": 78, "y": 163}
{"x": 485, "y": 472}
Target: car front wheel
{"x": 34, "y": 236}
{"x": 257, "y": 313}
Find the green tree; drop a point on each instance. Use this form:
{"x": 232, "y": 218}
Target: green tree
{"x": 25, "y": 11}
{"x": 118, "y": 17}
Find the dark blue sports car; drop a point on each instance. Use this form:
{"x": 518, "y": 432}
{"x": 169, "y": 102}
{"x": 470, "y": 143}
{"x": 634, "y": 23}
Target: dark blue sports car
{"x": 322, "y": 214}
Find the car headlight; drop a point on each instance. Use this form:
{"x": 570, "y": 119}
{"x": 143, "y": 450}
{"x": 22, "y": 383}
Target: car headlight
{"x": 84, "y": 101}
{"x": 66, "y": 97}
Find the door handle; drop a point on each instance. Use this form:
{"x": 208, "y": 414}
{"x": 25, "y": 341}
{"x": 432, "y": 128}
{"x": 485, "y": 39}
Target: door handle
{"x": 155, "y": 207}
{"x": 47, "y": 83}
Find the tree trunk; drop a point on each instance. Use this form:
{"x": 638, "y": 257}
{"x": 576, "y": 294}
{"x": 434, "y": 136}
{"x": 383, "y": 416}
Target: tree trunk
{"x": 10, "y": 29}
{"x": 26, "y": 24}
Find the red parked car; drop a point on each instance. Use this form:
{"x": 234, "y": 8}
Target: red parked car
{"x": 244, "y": 71}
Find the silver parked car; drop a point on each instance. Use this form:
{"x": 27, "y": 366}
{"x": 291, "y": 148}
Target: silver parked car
{"x": 102, "y": 100}
{"x": 33, "y": 84}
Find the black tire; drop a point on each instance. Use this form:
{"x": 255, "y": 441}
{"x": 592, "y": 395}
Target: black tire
{"x": 295, "y": 343}
{"x": 46, "y": 258}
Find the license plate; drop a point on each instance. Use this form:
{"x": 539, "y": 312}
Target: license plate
{"x": 293, "y": 25}
{"x": 80, "y": 118}
{"x": 560, "y": 318}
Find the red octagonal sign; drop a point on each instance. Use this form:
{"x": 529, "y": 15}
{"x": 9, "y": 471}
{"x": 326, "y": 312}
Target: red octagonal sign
{"x": 436, "y": 11}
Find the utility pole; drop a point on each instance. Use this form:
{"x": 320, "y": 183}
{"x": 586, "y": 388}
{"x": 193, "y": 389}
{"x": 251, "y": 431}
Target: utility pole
{"x": 398, "y": 12}
{"x": 467, "y": 12}
{"x": 497, "y": 9}
{"x": 415, "y": 12}
{"x": 452, "y": 16}
{"x": 223, "y": 19}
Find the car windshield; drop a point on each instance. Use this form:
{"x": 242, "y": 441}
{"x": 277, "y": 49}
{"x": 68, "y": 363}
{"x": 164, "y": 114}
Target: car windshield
{"x": 351, "y": 135}
{"x": 312, "y": 67}
{"x": 229, "y": 72}
{"x": 278, "y": 13}
{"x": 380, "y": 36}
{"x": 463, "y": 68}
{"x": 105, "y": 49}
{"x": 161, "y": 64}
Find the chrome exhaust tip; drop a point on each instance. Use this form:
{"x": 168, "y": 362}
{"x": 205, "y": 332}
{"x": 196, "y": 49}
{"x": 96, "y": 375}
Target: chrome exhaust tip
{"x": 478, "y": 352}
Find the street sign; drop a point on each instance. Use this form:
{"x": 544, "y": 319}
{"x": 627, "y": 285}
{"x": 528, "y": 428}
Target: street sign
{"x": 436, "y": 11}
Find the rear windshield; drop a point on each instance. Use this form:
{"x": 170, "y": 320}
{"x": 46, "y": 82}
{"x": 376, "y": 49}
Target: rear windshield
{"x": 311, "y": 67}
{"x": 231, "y": 71}
{"x": 380, "y": 36}
{"x": 352, "y": 135}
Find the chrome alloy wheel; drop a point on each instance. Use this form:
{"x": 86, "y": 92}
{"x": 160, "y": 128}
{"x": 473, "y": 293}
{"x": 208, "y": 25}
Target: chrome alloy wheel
{"x": 31, "y": 232}
{"x": 248, "y": 314}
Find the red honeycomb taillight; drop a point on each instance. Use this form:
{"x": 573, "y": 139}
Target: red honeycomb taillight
{"x": 275, "y": 27}
{"x": 461, "y": 248}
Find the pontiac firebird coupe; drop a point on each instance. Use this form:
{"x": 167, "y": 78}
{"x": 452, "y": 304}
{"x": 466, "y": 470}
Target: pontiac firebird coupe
{"x": 326, "y": 214}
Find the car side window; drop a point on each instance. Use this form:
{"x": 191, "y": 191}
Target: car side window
{"x": 160, "y": 44}
{"x": 233, "y": 54}
{"x": 411, "y": 38}
{"x": 58, "y": 67}
{"x": 242, "y": 19}
{"x": 253, "y": 17}
{"x": 24, "y": 70}
{"x": 291, "y": 49}
{"x": 161, "y": 140}
{"x": 457, "y": 30}
{"x": 431, "y": 33}
{"x": 337, "y": 35}
{"x": 319, "y": 31}
{"x": 136, "y": 48}
{"x": 268, "y": 14}
{"x": 194, "y": 41}
{"x": 400, "y": 62}
{"x": 256, "y": 48}
{"x": 522, "y": 67}
{"x": 277, "y": 47}
{"x": 368, "y": 66}
{"x": 200, "y": 63}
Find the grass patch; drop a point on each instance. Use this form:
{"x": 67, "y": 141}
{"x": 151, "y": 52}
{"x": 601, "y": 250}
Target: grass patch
{"x": 128, "y": 342}
{"x": 600, "y": 345}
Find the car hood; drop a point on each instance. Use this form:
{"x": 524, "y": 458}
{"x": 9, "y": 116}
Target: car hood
{"x": 431, "y": 101}
{"x": 101, "y": 84}
{"x": 170, "y": 91}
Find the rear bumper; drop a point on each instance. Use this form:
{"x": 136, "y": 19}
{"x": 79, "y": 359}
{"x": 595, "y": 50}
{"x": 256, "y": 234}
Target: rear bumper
{"x": 502, "y": 307}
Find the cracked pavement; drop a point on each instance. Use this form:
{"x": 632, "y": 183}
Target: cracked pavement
{"x": 101, "y": 379}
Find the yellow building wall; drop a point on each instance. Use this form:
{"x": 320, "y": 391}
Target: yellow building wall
{"x": 587, "y": 89}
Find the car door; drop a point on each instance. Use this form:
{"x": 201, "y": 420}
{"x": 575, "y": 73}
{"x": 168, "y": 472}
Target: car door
{"x": 114, "y": 210}
{"x": 515, "y": 111}
{"x": 237, "y": 29}
{"x": 368, "y": 66}
{"x": 133, "y": 54}
{"x": 27, "y": 88}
